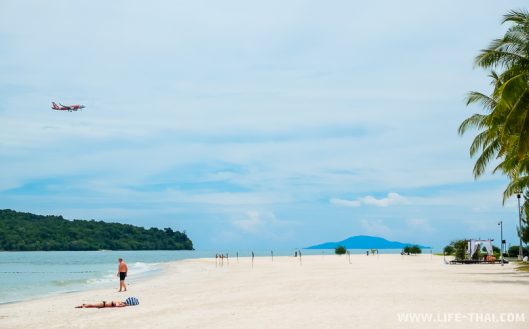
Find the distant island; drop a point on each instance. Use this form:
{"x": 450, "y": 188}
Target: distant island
{"x": 365, "y": 242}
{"x": 21, "y": 231}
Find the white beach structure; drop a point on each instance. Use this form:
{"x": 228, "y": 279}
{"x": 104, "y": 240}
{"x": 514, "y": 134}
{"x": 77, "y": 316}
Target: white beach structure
{"x": 474, "y": 245}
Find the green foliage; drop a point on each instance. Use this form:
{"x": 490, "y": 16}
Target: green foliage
{"x": 460, "y": 247}
{"x": 449, "y": 250}
{"x": 503, "y": 127}
{"x": 340, "y": 250}
{"x": 27, "y": 232}
{"x": 412, "y": 250}
{"x": 513, "y": 251}
{"x": 524, "y": 230}
{"x": 476, "y": 255}
{"x": 495, "y": 251}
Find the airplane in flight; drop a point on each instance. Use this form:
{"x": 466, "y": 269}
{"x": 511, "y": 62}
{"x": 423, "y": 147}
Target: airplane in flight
{"x": 68, "y": 108}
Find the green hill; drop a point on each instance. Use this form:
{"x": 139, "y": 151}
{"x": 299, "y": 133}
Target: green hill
{"x": 27, "y": 232}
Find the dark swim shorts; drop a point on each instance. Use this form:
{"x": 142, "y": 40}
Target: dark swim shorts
{"x": 122, "y": 275}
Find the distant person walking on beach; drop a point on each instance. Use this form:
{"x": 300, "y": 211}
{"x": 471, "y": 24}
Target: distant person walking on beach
{"x": 122, "y": 273}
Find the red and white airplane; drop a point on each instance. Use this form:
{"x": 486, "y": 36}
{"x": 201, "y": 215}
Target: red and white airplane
{"x": 68, "y": 108}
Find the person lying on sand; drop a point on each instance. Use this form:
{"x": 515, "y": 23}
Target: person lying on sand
{"x": 131, "y": 301}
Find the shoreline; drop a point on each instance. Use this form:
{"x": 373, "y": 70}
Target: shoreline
{"x": 166, "y": 266}
{"x": 323, "y": 291}
{"x": 47, "y": 273}
{"x": 28, "y": 275}
{"x": 87, "y": 287}
{"x": 110, "y": 285}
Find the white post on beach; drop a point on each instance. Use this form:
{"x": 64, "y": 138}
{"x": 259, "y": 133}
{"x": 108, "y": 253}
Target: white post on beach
{"x": 272, "y": 253}
{"x": 252, "y": 258}
{"x": 237, "y": 257}
{"x": 501, "y": 241}
{"x": 520, "y": 248}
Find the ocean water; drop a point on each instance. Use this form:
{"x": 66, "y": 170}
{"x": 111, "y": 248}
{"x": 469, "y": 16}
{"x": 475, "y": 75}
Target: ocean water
{"x": 26, "y": 275}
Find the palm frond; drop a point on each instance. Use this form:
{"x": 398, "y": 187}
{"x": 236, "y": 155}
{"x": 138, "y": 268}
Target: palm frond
{"x": 482, "y": 141}
{"x": 474, "y": 121}
{"x": 485, "y": 157}
{"x": 516, "y": 118}
{"x": 488, "y": 103}
{"x": 503, "y": 127}
{"x": 520, "y": 16}
{"x": 515, "y": 186}
{"x": 509, "y": 92}
{"x": 523, "y": 141}
{"x": 497, "y": 58}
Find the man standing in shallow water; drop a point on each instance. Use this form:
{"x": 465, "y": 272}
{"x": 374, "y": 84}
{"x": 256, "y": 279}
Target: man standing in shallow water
{"x": 122, "y": 273}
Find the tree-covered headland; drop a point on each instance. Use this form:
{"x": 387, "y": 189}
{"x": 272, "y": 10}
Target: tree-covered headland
{"x": 28, "y": 232}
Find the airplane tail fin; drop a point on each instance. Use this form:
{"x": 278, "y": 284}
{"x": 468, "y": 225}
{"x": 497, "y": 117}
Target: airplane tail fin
{"x": 53, "y": 105}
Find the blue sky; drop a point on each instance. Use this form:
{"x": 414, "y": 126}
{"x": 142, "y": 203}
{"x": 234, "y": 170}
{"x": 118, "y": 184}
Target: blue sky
{"x": 250, "y": 125}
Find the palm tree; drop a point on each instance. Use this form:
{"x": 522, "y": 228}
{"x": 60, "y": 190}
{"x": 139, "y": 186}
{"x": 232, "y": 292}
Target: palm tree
{"x": 511, "y": 53}
{"x": 504, "y": 129}
{"x": 490, "y": 140}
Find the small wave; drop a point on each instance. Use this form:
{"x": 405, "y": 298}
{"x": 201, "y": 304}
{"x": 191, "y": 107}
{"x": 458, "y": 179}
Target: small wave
{"x": 140, "y": 267}
{"x": 144, "y": 265}
{"x": 62, "y": 283}
{"x": 104, "y": 279}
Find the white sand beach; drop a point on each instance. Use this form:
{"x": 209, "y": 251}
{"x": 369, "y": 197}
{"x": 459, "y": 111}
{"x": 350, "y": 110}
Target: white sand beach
{"x": 322, "y": 292}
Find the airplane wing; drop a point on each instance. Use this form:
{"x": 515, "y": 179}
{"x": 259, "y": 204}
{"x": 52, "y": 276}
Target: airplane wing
{"x": 66, "y": 107}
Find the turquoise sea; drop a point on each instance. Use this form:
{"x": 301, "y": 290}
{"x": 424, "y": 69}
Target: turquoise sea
{"x": 25, "y": 275}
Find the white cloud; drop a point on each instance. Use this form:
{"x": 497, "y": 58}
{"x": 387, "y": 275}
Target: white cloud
{"x": 376, "y": 228}
{"x": 390, "y": 200}
{"x": 418, "y": 224}
{"x": 346, "y": 203}
{"x": 262, "y": 223}
{"x": 284, "y": 99}
{"x": 226, "y": 198}
{"x": 254, "y": 222}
